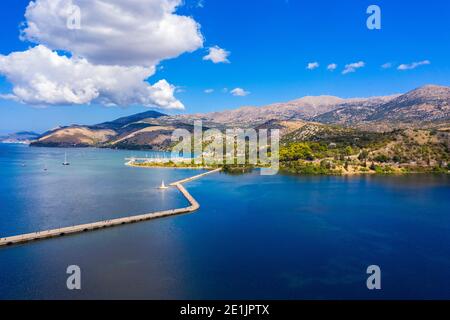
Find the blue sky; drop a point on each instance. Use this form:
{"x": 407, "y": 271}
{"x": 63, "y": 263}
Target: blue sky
{"x": 270, "y": 44}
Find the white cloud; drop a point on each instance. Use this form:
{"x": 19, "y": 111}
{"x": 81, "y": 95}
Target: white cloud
{"x": 312, "y": 65}
{"x": 413, "y": 65}
{"x": 239, "y": 92}
{"x": 217, "y": 55}
{"x": 351, "y": 67}
{"x": 42, "y": 77}
{"x": 114, "y": 32}
{"x": 387, "y": 65}
{"x": 180, "y": 89}
{"x": 332, "y": 67}
{"x": 110, "y": 57}
{"x": 209, "y": 91}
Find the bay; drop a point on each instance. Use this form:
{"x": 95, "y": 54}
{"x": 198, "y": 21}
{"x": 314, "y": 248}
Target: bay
{"x": 254, "y": 237}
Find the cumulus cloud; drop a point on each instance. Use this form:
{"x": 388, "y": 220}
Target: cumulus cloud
{"x": 387, "y": 65}
{"x": 239, "y": 92}
{"x": 209, "y": 91}
{"x": 114, "y": 32}
{"x": 351, "y": 67}
{"x": 413, "y": 65}
{"x": 312, "y": 65}
{"x": 217, "y": 55}
{"x": 115, "y": 48}
{"x": 332, "y": 67}
{"x": 41, "y": 76}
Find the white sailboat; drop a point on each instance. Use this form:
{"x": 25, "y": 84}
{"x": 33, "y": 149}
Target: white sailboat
{"x": 65, "y": 163}
{"x": 163, "y": 186}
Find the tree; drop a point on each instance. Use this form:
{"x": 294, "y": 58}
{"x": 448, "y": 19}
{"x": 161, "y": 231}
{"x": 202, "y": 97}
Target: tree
{"x": 396, "y": 158}
{"x": 296, "y": 151}
{"x": 327, "y": 164}
{"x": 348, "y": 151}
{"x": 382, "y": 158}
{"x": 364, "y": 154}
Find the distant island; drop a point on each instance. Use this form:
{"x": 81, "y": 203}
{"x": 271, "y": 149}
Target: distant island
{"x": 23, "y": 137}
{"x": 319, "y": 135}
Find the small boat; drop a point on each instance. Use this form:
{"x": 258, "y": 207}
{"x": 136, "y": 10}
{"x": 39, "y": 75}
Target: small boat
{"x": 163, "y": 186}
{"x": 65, "y": 163}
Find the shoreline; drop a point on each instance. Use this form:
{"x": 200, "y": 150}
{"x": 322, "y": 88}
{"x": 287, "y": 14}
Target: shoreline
{"x": 396, "y": 171}
{"x": 99, "y": 225}
{"x": 168, "y": 167}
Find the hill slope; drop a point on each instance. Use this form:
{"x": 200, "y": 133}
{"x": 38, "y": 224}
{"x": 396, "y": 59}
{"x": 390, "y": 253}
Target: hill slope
{"x": 425, "y": 107}
{"x": 96, "y": 135}
{"x": 426, "y": 104}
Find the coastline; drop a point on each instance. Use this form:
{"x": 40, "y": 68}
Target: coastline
{"x": 382, "y": 168}
{"x": 386, "y": 170}
{"x": 82, "y": 228}
{"x": 168, "y": 167}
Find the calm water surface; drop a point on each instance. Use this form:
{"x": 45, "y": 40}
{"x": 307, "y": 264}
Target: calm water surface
{"x": 254, "y": 236}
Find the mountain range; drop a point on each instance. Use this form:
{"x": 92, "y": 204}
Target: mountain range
{"x": 424, "y": 107}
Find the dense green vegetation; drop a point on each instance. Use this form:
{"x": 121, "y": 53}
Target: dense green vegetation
{"x": 350, "y": 151}
{"x": 326, "y": 150}
{"x": 237, "y": 169}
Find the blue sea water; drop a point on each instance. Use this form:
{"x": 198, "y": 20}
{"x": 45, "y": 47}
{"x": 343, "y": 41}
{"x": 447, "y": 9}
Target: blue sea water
{"x": 254, "y": 237}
